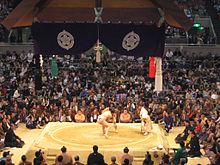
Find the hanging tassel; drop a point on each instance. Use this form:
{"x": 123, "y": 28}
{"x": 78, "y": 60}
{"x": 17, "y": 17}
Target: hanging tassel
{"x": 98, "y": 48}
{"x": 98, "y": 56}
{"x": 41, "y": 63}
{"x": 159, "y": 75}
{"x": 152, "y": 69}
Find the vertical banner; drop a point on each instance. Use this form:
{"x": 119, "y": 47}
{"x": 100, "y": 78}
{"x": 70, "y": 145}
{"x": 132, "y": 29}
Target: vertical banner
{"x": 159, "y": 75}
{"x": 152, "y": 69}
{"x": 54, "y": 68}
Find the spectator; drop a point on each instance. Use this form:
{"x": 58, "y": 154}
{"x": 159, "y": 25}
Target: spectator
{"x": 67, "y": 159}
{"x": 2, "y": 135}
{"x": 59, "y": 160}
{"x": 31, "y": 124}
{"x": 95, "y": 157}
{"x": 126, "y": 162}
{"x": 148, "y": 160}
{"x": 168, "y": 120}
{"x": 80, "y": 117}
{"x": 127, "y": 156}
{"x": 39, "y": 159}
{"x": 165, "y": 160}
{"x": 125, "y": 116}
{"x": 24, "y": 161}
{"x": 113, "y": 160}
{"x": 194, "y": 146}
{"x": 189, "y": 83}
{"x": 183, "y": 136}
{"x": 77, "y": 162}
{"x": 180, "y": 154}
{"x": 169, "y": 54}
{"x": 6, "y": 157}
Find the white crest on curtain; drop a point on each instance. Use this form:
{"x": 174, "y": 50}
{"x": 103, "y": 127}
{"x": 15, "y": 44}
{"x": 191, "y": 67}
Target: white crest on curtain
{"x": 131, "y": 41}
{"x": 65, "y": 40}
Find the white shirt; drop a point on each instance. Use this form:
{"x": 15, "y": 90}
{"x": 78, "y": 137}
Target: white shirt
{"x": 169, "y": 54}
{"x": 30, "y": 56}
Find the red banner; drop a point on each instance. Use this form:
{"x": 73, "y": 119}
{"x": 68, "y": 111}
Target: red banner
{"x": 152, "y": 69}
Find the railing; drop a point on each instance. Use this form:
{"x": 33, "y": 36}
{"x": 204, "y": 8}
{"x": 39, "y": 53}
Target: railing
{"x": 202, "y": 49}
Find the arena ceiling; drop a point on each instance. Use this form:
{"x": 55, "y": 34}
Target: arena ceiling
{"x": 115, "y": 11}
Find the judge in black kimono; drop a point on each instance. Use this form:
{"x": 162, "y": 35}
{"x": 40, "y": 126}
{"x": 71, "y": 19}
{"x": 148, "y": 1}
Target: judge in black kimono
{"x": 11, "y": 139}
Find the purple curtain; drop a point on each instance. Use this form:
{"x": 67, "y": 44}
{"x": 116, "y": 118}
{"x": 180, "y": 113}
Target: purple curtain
{"x": 135, "y": 40}
{"x": 76, "y": 38}
{"x": 63, "y": 38}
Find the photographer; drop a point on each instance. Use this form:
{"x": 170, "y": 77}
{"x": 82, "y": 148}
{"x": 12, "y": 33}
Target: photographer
{"x": 6, "y": 159}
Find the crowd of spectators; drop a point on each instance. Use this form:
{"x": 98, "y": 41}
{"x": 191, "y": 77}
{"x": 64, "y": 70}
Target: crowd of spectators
{"x": 65, "y": 158}
{"x": 216, "y": 5}
{"x": 83, "y": 88}
{"x": 193, "y": 8}
{"x": 6, "y": 6}
{"x": 197, "y": 36}
{"x": 4, "y": 9}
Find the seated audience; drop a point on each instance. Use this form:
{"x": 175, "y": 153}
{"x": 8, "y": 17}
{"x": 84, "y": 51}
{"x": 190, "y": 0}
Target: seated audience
{"x": 6, "y": 158}
{"x": 127, "y": 156}
{"x": 113, "y": 160}
{"x": 39, "y": 158}
{"x": 181, "y": 153}
{"x": 59, "y": 160}
{"x": 125, "y": 116}
{"x": 80, "y": 117}
{"x": 77, "y": 162}
{"x": 165, "y": 160}
{"x": 95, "y": 157}
{"x": 183, "y": 136}
{"x": 67, "y": 159}
{"x": 2, "y": 136}
{"x": 148, "y": 160}
{"x": 24, "y": 161}
{"x": 191, "y": 95}
{"x": 30, "y": 123}
{"x": 126, "y": 162}
{"x": 194, "y": 147}
{"x": 168, "y": 120}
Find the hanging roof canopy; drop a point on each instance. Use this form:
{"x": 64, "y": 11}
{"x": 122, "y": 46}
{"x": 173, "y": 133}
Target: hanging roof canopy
{"x": 115, "y": 11}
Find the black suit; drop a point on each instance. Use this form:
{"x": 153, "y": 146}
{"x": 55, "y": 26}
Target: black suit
{"x": 12, "y": 140}
{"x": 96, "y": 159}
{"x": 5, "y": 126}
{"x": 194, "y": 147}
{"x": 180, "y": 139}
